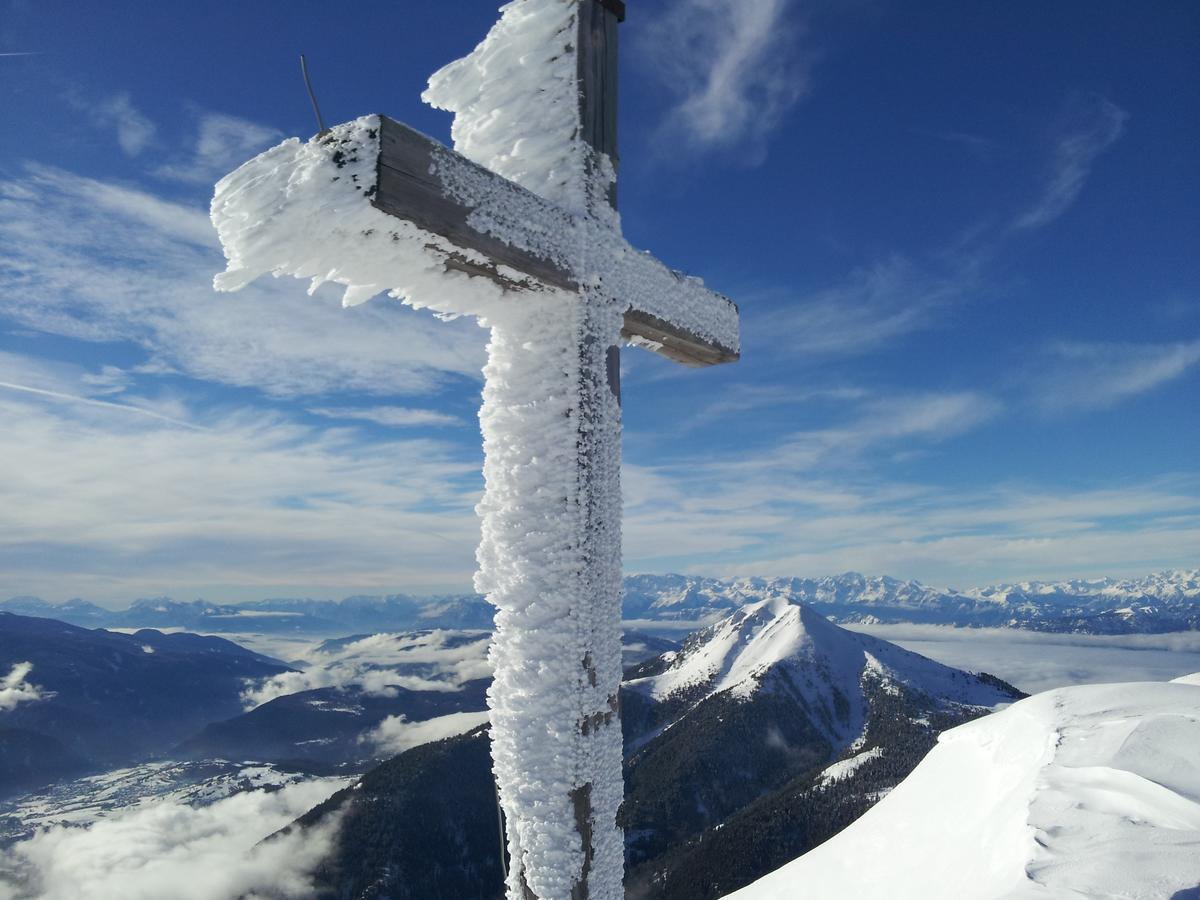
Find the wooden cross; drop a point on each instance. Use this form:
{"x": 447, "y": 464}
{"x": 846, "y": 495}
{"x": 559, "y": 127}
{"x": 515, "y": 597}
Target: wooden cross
{"x": 569, "y": 289}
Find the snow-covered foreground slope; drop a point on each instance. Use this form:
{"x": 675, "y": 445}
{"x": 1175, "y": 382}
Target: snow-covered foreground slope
{"x": 1090, "y": 791}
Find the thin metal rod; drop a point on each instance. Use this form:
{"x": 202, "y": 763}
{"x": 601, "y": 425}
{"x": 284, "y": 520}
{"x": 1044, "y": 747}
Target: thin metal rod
{"x": 313, "y": 97}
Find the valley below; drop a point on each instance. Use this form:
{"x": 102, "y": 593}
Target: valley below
{"x": 357, "y": 757}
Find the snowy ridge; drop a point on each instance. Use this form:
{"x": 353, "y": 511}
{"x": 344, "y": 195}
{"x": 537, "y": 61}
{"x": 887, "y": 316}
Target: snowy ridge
{"x": 1154, "y": 603}
{"x": 1164, "y": 601}
{"x": 779, "y": 644}
{"x": 1089, "y": 791}
{"x": 1170, "y": 584}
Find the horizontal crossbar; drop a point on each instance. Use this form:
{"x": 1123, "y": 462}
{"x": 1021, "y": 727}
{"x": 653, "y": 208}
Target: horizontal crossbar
{"x": 412, "y": 185}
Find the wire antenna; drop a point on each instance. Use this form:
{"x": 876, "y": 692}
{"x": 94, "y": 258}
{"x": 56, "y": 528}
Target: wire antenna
{"x": 322, "y": 130}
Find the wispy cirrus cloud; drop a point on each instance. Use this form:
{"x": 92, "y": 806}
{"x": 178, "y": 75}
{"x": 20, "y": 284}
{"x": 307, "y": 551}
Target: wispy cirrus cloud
{"x": 1078, "y": 376}
{"x": 872, "y": 306}
{"x": 760, "y": 517}
{"x": 99, "y": 261}
{"x": 878, "y": 424}
{"x": 222, "y": 143}
{"x": 898, "y": 294}
{"x": 733, "y": 506}
{"x": 733, "y": 68}
{"x": 740, "y": 399}
{"x": 97, "y": 502}
{"x": 388, "y": 416}
{"x": 71, "y": 384}
{"x": 1093, "y": 124}
{"x": 116, "y": 113}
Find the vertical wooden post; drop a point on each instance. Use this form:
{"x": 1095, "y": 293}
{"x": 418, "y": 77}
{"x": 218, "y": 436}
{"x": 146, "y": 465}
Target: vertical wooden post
{"x": 599, "y": 476}
{"x": 597, "y": 73}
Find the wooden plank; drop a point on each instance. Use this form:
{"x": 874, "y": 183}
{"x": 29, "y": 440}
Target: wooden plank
{"x": 672, "y": 342}
{"x": 408, "y": 188}
{"x": 597, "y": 73}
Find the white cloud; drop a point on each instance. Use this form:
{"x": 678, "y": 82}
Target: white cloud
{"x": 389, "y": 416}
{"x": 395, "y": 734}
{"x": 1034, "y": 661}
{"x": 733, "y": 68}
{"x": 15, "y": 690}
{"x": 1084, "y": 376}
{"x": 102, "y": 262}
{"x": 1002, "y": 552}
{"x": 823, "y": 502}
{"x": 871, "y": 307}
{"x": 1094, "y": 124}
{"x": 882, "y": 420}
{"x": 103, "y": 404}
{"x": 378, "y": 664}
{"x": 98, "y": 501}
{"x": 171, "y": 849}
{"x": 373, "y": 682}
{"x": 223, "y": 142}
{"x": 116, "y": 113}
{"x": 739, "y": 399}
{"x": 877, "y": 424}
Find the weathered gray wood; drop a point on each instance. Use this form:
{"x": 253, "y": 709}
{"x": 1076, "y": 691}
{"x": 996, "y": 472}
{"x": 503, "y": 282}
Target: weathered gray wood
{"x": 673, "y": 343}
{"x": 408, "y": 188}
{"x": 597, "y": 73}
{"x": 596, "y": 76}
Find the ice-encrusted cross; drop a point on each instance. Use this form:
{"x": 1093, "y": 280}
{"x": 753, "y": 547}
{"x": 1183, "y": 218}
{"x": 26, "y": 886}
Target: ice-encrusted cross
{"x": 519, "y": 229}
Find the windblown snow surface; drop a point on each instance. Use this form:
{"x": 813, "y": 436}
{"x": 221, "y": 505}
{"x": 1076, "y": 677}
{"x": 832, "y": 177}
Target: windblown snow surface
{"x": 1089, "y": 791}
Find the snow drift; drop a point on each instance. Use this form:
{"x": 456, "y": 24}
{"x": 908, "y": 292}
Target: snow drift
{"x": 1089, "y": 791}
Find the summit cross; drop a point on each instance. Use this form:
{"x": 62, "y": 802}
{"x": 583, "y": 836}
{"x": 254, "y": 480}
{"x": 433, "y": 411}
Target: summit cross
{"x": 519, "y": 230}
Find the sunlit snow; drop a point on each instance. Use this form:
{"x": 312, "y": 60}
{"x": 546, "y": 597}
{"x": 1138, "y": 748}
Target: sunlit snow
{"x": 1089, "y": 791}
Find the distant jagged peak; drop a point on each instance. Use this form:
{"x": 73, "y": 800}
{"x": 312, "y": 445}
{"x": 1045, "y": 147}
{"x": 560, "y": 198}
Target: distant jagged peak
{"x": 1165, "y": 584}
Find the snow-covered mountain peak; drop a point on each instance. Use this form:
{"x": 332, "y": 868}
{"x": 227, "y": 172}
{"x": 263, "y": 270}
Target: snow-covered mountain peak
{"x": 1169, "y": 584}
{"x": 779, "y": 644}
{"x": 735, "y": 652}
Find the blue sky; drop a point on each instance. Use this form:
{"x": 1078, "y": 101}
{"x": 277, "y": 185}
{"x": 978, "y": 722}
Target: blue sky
{"x": 963, "y": 237}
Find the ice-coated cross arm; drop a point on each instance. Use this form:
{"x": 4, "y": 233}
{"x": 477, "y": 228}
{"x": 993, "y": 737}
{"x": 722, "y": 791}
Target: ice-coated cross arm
{"x": 377, "y": 206}
{"x": 416, "y": 180}
{"x": 525, "y": 243}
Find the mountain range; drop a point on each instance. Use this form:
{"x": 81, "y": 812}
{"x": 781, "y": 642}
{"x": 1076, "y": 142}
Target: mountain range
{"x": 766, "y": 732}
{"x": 101, "y": 699}
{"x": 760, "y": 736}
{"x": 1161, "y": 602}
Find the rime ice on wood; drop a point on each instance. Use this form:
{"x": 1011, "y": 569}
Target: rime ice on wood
{"x": 517, "y": 230}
